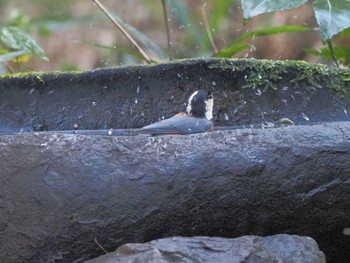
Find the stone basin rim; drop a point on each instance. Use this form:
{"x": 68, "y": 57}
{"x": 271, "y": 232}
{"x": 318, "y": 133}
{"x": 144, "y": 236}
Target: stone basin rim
{"x": 134, "y": 132}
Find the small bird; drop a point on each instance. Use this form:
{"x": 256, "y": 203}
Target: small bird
{"x": 196, "y": 119}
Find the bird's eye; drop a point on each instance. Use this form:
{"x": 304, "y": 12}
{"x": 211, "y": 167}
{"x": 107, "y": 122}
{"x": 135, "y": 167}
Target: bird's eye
{"x": 210, "y": 96}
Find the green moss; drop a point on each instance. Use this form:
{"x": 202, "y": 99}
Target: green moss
{"x": 341, "y": 83}
{"x": 266, "y": 74}
{"x": 262, "y": 74}
{"x": 40, "y": 75}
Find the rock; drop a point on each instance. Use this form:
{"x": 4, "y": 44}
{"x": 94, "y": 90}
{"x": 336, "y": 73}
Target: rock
{"x": 62, "y": 189}
{"x": 246, "y": 249}
{"x": 59, "y": 192}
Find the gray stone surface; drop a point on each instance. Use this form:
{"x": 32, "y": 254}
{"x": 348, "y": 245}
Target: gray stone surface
{"x": 59, "y": 192}
{"x": 247, "y": 249}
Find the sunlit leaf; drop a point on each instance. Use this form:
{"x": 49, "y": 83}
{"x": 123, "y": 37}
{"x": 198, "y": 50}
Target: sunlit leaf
{"x": 17, "y": 39}
{"x": 23, "y": 58}
{"x": 232, "y": 50}
{"x": 256, "y": 7}
{"x": 332, "y": 16}
{"x": 272, "y": 31}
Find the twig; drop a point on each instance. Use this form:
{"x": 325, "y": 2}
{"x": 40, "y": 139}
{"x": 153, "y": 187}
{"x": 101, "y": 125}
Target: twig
{"x": 123, "y": 30}
{"x": 167, "y": 29}
{"x": 207, "y": 28}
{"x": 10, "y": 68}
{"x": 99, "y": 245}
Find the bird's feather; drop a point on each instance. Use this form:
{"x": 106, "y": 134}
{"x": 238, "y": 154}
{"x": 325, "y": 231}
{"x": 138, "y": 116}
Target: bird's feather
{"x": 178, "y": 124}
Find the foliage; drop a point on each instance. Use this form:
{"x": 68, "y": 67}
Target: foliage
{"x": 15, "y": 43}
{"x": 18, "y": 45}
{"x": 200, "y": 29}
{"x": 257, "y": 7}
{"x": 333, "y": 17}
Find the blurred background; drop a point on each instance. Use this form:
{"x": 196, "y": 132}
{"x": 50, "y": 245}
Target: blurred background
{"x": 76, "y": 35}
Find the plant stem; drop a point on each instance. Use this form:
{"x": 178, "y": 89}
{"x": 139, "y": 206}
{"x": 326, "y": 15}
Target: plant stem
{"x": 167, "y": 29}
{"x": 330, "y": 46}
{"x": 123, "y": 30}
{"x": 207, "y": 28}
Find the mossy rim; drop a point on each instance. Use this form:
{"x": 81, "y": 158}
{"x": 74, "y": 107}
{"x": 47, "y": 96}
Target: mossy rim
{"x": 263, "y": 74}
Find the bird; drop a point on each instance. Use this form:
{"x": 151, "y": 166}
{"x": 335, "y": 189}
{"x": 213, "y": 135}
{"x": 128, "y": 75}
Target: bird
{"x": 196, "y": 119}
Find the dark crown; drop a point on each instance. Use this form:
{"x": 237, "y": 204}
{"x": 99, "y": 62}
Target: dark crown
{"x": 197, "y": 103}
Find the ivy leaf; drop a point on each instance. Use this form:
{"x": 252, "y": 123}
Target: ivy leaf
{"x": 16, "y": 39}
{"x": 256, "y": 7}
{"x": 333, "y": 16}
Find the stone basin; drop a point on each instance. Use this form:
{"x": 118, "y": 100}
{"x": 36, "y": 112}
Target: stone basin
{"x": 72, "y": 173}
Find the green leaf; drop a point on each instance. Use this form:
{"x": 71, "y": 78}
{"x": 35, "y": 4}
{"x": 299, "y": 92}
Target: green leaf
{"x": 17, "y": 39}
{"x": 12, "y": 55}
{"x": 343, "y": 34}
{"x": 232, "y": 50}
{"x": 333, "y": 16}
{"x": 271, "y": 31}
{"x": 256, "y": 7}
{"x": 341, "y": 53}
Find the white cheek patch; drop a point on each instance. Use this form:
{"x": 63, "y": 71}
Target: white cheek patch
{"x": 189, "y": 103}
{"x": 209, "y": 108}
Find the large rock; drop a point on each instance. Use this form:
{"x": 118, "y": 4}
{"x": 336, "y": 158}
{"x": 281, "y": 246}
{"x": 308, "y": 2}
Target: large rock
{"x": 59, "y": 192}
{"x": 246, "y": 249}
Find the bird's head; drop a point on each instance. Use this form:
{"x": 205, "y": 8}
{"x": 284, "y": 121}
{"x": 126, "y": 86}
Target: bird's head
{"x": 200, "y": 104}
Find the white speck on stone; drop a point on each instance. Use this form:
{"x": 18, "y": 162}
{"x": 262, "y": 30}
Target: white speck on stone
{"x": 346, "y": 231}
{"x": 226, "y": 117}
{"x": 305, "y": 116}
{"x": 110, "y": 131}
